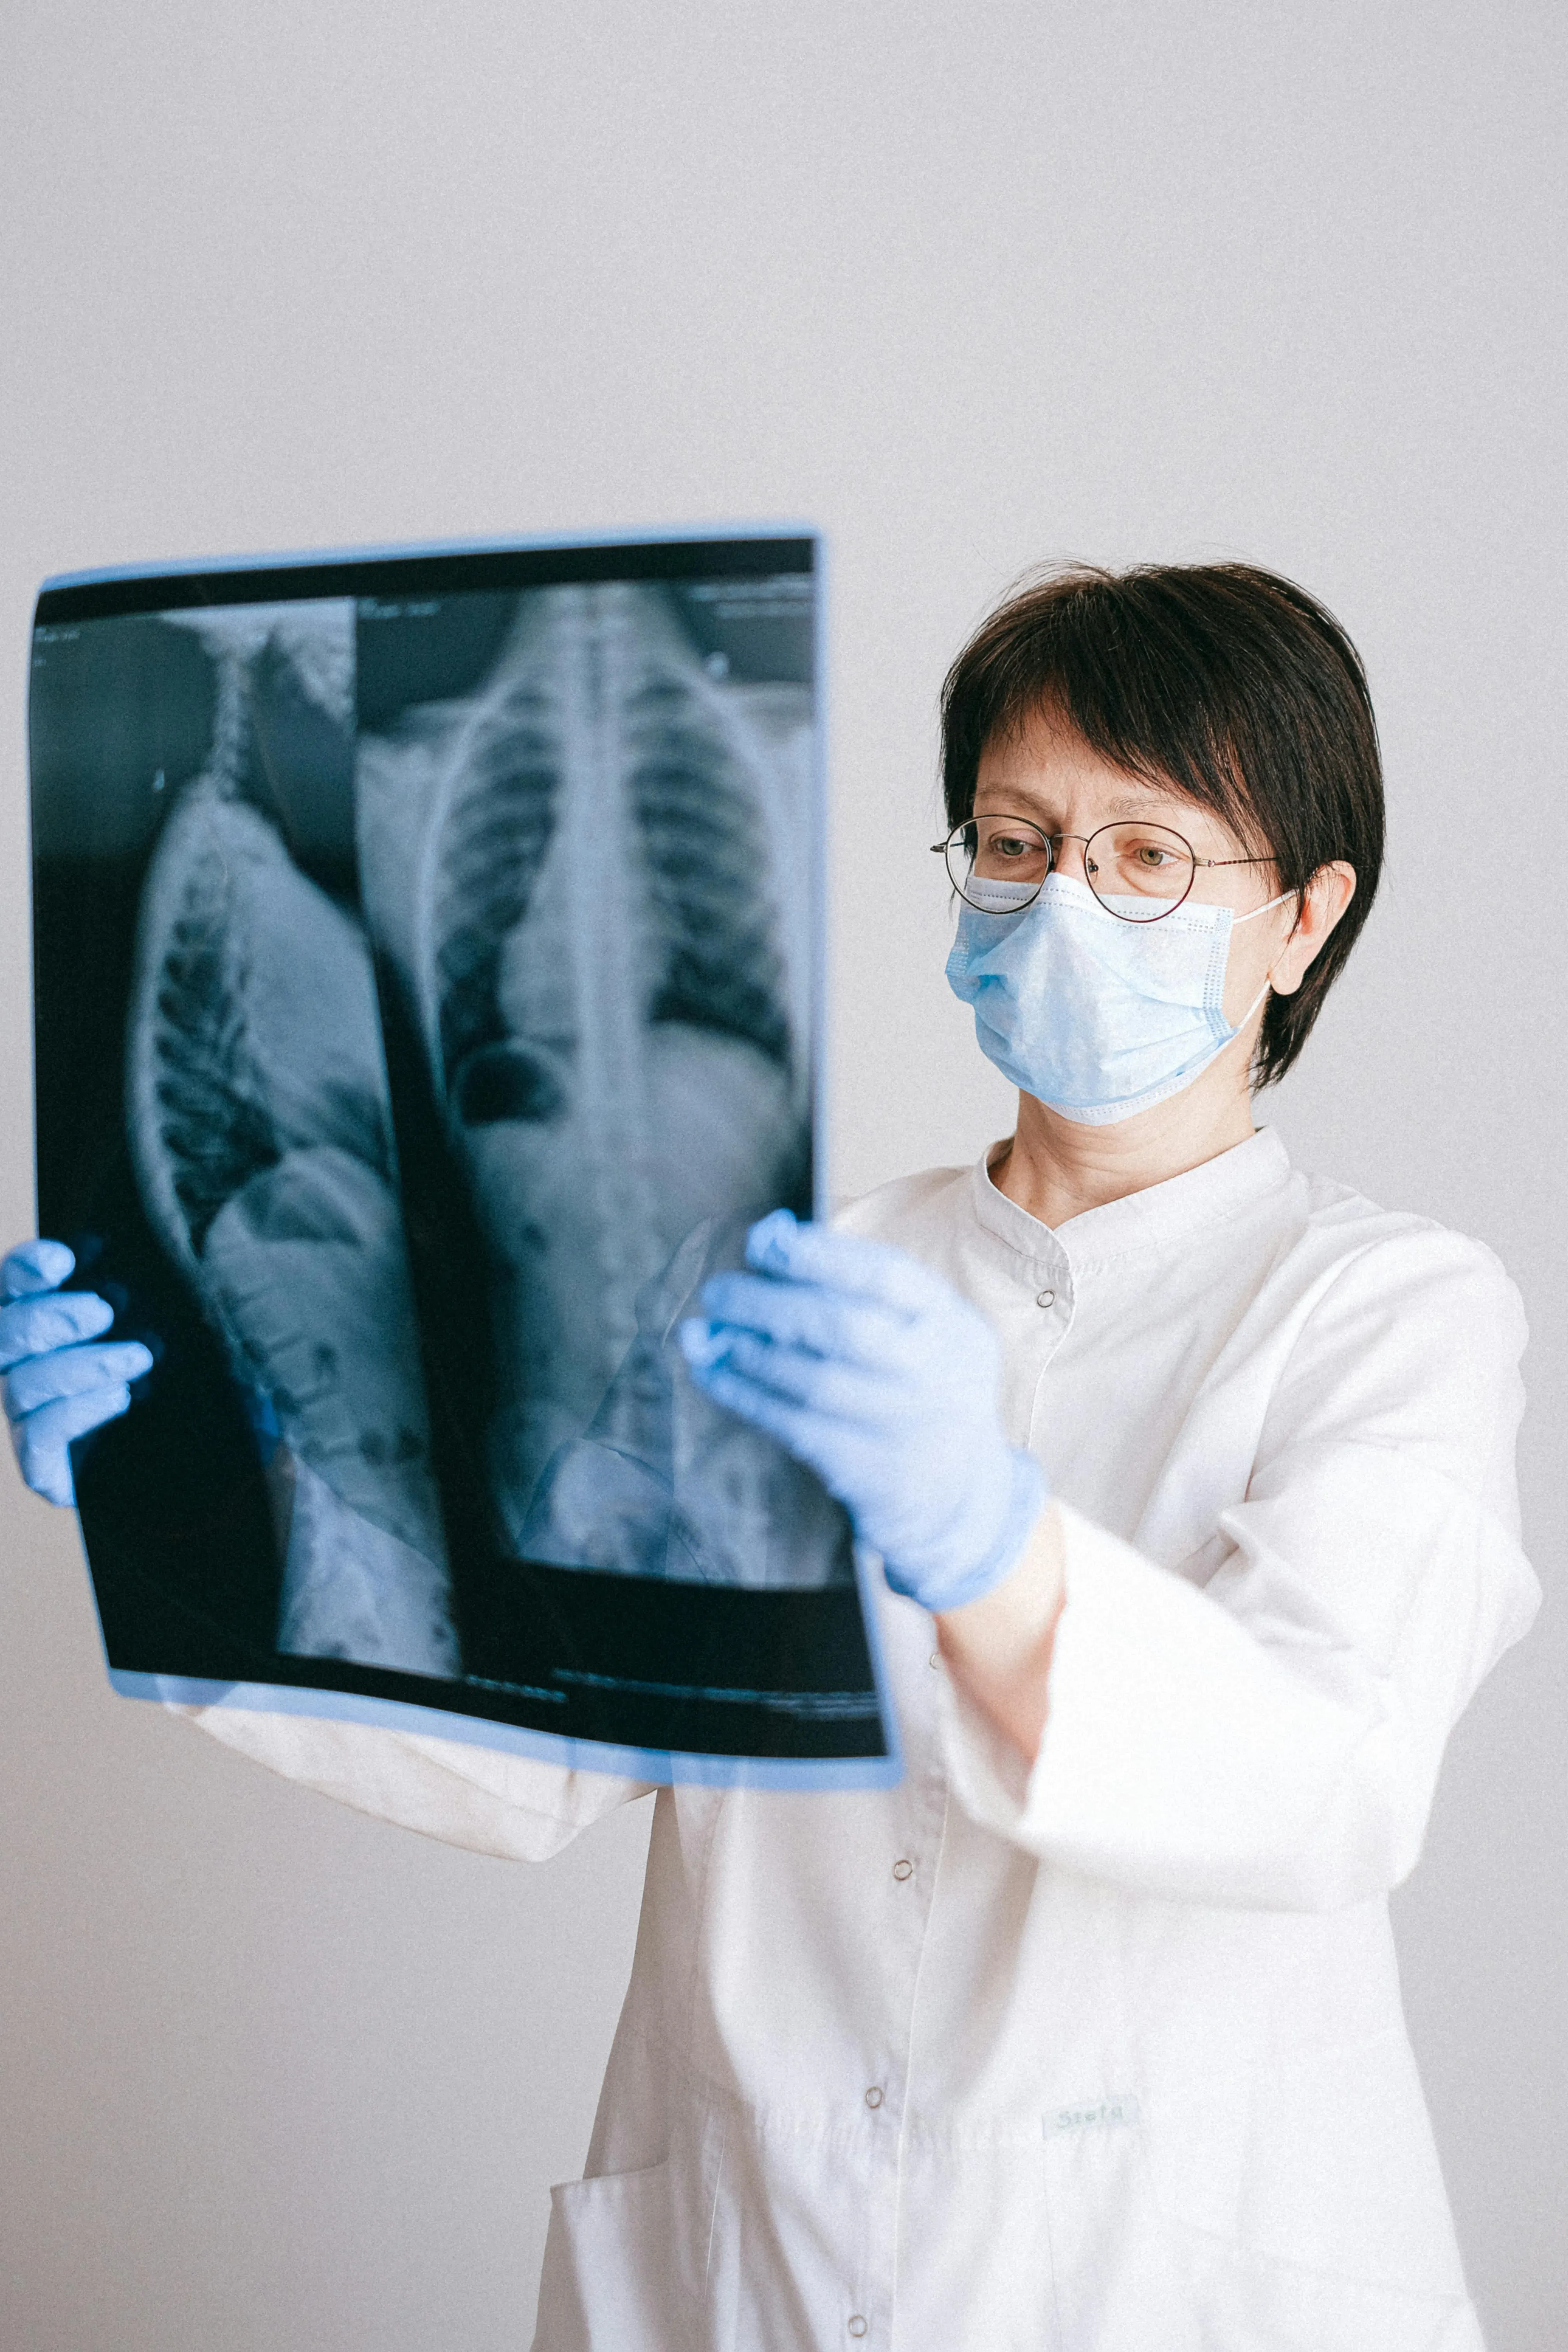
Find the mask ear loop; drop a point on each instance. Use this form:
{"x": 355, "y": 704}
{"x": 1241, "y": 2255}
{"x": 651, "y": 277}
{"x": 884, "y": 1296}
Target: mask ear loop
{"x": 1276, "y": 901}
{"x": 1252, "y": 1008}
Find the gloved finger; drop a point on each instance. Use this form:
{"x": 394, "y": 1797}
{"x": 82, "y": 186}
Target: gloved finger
{"x": 805, "y": 1315}
{"x": 39, "y": 1381}
{"x": 837, "y": 1391}
{"x": 57, "y": 1319}
{"x": 798, "y": 1431}
{"x": 43, "y": 1440}
{"x": 780, "y": 1245}
{"x": 34, "y": 1266}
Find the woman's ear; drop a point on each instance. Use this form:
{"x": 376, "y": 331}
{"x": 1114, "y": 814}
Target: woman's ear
{"x": 1323, "y": 902}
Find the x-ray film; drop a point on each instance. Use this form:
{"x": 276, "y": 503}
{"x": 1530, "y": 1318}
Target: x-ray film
{"x": 428, "y": 956}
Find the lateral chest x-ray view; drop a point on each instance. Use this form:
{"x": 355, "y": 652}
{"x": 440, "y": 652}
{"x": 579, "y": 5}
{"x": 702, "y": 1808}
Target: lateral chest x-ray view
{"x": 425, "y": 957}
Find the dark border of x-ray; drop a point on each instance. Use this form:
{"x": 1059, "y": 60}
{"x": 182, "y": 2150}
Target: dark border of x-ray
{"x": 455, "y": 567}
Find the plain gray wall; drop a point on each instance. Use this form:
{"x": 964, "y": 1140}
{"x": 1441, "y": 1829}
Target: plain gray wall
{"x": 970, "y": 287}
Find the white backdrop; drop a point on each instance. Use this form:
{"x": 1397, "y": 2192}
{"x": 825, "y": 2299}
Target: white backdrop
{"x": 969, "y": 287}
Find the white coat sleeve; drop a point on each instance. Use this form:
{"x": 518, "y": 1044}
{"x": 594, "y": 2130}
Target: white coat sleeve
{"x": 1264, "y": 1730}
{"x": 481, "y": 1798}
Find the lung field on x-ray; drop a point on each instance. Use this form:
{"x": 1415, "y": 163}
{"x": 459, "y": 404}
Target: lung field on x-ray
{"x": 585, "y": 880}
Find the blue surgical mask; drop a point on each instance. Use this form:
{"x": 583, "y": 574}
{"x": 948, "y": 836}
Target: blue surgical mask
{"x": 1095, "y": 1016}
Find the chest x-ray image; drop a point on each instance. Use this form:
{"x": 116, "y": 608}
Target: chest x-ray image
{"x": 426, "y": 955}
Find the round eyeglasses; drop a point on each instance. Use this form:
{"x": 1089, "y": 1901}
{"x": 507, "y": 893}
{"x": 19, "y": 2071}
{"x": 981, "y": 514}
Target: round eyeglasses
{"x": 1138, "y": 871}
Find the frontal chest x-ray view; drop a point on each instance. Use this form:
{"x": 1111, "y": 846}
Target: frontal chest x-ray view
{"x": 426, "y": 955}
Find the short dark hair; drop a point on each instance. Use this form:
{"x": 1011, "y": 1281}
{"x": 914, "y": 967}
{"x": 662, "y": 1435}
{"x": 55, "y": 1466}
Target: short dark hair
{"x": 1226, "y": 681}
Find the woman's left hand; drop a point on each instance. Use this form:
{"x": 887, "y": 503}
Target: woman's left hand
{"x": 873, "y": 1370}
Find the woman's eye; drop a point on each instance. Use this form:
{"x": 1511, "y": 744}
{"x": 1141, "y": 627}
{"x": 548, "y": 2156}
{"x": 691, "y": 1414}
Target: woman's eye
{"x": 1010, "y": 844}
{"x": 1151, "y": 855}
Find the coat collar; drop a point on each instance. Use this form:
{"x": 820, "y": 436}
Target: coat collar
{"x": 1147, "y": 1222}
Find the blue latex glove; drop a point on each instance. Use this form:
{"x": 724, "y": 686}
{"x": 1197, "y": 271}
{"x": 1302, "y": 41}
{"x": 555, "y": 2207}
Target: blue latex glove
{"x": 871, "y": 1368}
{"x": 56, "y": 1384}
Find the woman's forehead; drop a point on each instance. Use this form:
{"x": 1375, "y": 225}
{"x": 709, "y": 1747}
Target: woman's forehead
{"x": 1042, "y": 767}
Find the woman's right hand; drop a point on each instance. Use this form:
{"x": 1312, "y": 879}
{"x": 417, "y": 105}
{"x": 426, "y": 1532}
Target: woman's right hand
{"x": 55, "y": 1382}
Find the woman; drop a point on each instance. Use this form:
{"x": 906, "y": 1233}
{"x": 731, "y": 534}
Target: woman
{"x": 1089, "y": 2035}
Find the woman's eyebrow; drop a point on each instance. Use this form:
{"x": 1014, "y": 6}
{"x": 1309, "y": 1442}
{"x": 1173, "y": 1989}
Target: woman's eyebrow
{"x": 1133, "y": 803}
{"x": 1137, "y": 804}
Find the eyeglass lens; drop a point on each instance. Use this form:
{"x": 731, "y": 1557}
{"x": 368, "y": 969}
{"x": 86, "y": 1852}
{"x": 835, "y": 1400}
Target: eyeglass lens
{"x": 1138, "y": 871}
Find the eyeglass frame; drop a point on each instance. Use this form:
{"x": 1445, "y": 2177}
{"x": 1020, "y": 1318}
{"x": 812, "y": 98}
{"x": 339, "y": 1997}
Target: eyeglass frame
{"x": 1004, "y": 816}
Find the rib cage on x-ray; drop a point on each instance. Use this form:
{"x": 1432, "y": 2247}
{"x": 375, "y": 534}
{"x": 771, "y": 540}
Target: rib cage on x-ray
{"x": 260, "y": 1133}
{"x": 579, "y": 873}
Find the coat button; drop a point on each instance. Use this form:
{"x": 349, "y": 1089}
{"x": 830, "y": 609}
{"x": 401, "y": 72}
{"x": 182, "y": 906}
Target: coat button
{"x": 873, "y": 2097}
{"x": 1045, "y": 1298}
{"x": 903, "y": 1870}
{"x": 858, "y": 2326}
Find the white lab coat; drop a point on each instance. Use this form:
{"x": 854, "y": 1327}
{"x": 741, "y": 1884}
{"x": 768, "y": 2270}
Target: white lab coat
{"x": 1107, "y": 2057}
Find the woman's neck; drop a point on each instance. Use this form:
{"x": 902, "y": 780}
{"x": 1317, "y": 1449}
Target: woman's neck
{"x": 1056, "y": 1168}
